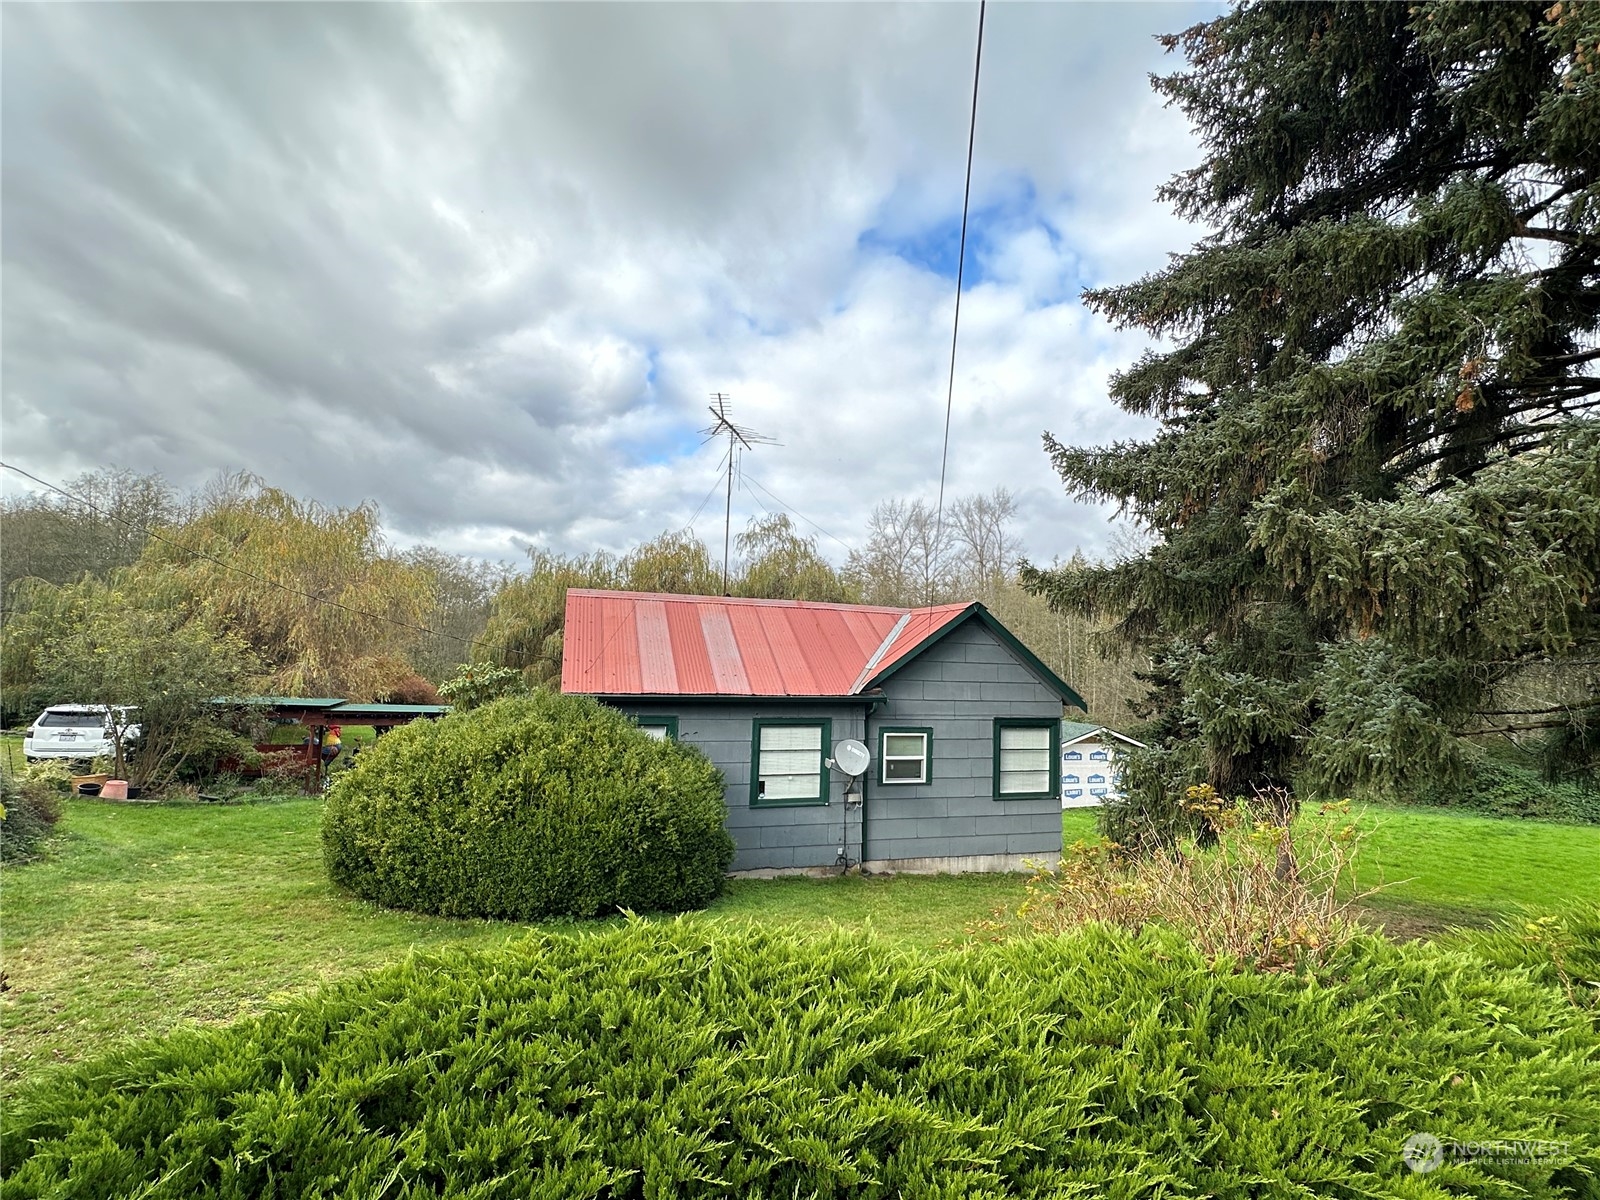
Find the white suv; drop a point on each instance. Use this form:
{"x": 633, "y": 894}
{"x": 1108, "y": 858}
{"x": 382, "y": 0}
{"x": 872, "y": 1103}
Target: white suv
{"x": 71, "y": 731}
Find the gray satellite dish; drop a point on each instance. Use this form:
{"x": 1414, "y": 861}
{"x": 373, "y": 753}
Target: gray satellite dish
{"x": 851, "y": 757}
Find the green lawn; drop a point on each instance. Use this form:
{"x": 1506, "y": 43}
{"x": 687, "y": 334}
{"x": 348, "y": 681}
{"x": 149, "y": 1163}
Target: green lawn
{"x": 11, "y": 752}
{"x": 1439, "y": 867}
{"x": 149, "y": 916}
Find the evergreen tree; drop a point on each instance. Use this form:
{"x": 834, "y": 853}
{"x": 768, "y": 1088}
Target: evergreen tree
{"x": 1375, "y": 489}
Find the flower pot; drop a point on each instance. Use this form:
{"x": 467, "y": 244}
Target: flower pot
{"x": 89, "y": 789}
{"x": 114, "y": 789}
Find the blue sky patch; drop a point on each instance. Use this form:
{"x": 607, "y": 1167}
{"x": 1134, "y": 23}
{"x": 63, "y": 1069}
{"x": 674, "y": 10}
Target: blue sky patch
{"x": 936, "y": 247}
{"x": 677, "y": 441}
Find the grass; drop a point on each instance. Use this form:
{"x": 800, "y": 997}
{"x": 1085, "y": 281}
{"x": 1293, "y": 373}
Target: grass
{"x": 11, "y": 752}
{"x": 150, "y": 916}
{"x": 1440, "y": 868}
{"x": 147, "y": 917}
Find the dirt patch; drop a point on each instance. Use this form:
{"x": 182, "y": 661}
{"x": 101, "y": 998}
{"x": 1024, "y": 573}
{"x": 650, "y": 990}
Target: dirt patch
{"x": 1418, "y": 923}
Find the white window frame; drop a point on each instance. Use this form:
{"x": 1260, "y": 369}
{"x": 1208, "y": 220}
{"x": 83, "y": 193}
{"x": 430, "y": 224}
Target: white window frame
{"x": 884, "y": 757}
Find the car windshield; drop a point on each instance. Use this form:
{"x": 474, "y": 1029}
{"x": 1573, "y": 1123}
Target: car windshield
{"x": 72, "y": 720}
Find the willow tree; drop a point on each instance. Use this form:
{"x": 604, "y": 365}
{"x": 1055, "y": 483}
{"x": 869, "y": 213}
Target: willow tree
{"x": 314, "y": 591}
{"x": 777, "y": 562}
{"x": 527, "y": 613}
{"x": 1375, "y": 484}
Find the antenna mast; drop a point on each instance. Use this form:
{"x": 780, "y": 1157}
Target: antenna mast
{"x": 738, "y": 436}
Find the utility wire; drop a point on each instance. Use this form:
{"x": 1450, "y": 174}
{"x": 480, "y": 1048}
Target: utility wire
{"x": 961, "y": 264}
{"x": 700, "y": 508}
{"x": 781, "y": 503}
{"x": 227, "y": 566}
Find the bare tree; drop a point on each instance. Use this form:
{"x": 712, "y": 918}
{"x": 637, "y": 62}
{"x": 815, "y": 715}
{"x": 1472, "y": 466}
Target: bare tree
{"x": 463, "y": 589}
{"x": 907, "y": 559}
{"x": 985, "y": 546}
{"x": 58, "y": 540}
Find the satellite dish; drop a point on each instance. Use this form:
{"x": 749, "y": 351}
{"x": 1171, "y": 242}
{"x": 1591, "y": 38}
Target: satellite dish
{"x": 851, "y": 757}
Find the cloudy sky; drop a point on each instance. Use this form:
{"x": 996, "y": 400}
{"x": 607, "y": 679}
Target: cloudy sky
{"x": 483, "y": 264}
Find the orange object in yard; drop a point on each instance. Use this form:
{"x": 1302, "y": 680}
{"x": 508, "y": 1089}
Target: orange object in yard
{"x": 114, "y": 789}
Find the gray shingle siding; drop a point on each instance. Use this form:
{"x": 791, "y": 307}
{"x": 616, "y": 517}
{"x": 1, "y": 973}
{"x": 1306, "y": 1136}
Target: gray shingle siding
{"x": 775, "y": 838}
{"x": 957, "y": 688}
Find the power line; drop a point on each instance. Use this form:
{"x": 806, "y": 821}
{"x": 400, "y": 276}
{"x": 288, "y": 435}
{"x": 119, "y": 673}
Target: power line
{"x": 781, "y": 503}
{"x": 961, "y": 265}
{"x": 227, "y": 566}
{"x": 689, "y": 524}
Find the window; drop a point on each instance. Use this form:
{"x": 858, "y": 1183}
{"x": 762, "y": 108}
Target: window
{"x": 664, "y": 728}
{"x": 1026, "y": 759}
{"x": 71, "y": 720}
{"x": 786, "y": 762}
{"x": 905, "y": 755}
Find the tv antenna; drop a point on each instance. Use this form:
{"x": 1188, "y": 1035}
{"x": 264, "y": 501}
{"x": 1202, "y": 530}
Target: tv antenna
{"x": 738, "y": 436}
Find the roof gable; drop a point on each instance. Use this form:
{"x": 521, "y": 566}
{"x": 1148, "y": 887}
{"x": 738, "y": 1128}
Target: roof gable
{"x": 1073, "y": 732}
{"x": 943, "y": 621}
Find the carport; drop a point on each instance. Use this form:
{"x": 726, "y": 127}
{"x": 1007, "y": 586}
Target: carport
{"x": 316, "y": 713}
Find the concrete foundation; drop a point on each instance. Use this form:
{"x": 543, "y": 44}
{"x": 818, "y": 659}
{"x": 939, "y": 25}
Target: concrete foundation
{"x": 959, "y": 864}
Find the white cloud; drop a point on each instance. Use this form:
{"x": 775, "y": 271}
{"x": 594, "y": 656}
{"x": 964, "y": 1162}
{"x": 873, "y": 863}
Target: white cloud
{"x": 482, "y": 264}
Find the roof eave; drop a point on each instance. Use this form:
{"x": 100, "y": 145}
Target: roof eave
{"x": 866, "y": 697}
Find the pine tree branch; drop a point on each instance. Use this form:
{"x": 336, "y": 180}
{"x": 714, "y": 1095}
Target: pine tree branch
{"x": 1561, "y": 193}
{"x": 1570, "y": 360}
{"x": 1545, "y": 234}
{"x": 1530, "y": 728}
{"x": 1501, "y": 439}
{"x": 1532, "y": 712}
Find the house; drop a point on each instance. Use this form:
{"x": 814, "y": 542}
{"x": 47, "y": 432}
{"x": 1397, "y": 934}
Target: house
{"x": 1089, "y": 763}
{"x": 963, "y": 723}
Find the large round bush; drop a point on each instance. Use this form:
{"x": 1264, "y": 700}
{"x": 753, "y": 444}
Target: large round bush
{"x": 670, "y": 1061}
{"x": 529, "y": 807}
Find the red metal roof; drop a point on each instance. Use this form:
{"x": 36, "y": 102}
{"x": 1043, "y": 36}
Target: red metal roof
{"x": 920, "y": 625}
{"x": 649, "y": 644}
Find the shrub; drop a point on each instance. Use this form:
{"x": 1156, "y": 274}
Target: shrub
{"x": 287, "y": 770}
{"x": 413, "y": 689}
{"x": 1500, "y": 788}
{"x": 664, "y": 1061}
{"x": 1562, "y": 950}
{"x": 1149, "y": 813}
{"x": 527, "y": 808}
{"x": 31, "y": 802}
{"x": 1271, "y": 896}
{"x": 476, "y": 684}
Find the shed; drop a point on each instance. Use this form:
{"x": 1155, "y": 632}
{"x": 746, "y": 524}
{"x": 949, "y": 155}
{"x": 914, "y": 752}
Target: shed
{"x": 1089, "y": 771}
{"x": 962, "y": 720}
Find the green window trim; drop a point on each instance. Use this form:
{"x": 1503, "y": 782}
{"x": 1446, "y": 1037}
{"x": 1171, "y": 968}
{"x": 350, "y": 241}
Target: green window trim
{"x": 927, "y": 755}
{"x": 824, "y": 778}
{"x": 670, "y": 724}
{"x": 1054, "y": 726}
